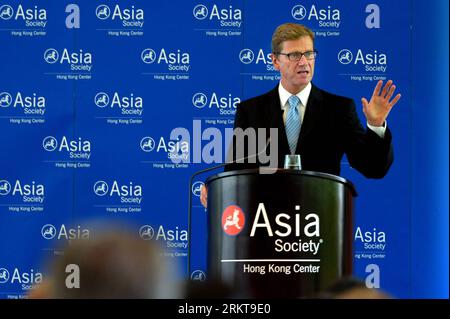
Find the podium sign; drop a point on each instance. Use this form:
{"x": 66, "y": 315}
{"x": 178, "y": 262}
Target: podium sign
{"x": 281, "y": 235}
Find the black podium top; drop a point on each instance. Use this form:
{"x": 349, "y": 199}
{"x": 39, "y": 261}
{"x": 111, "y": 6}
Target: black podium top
{"x": 287, "y": 172}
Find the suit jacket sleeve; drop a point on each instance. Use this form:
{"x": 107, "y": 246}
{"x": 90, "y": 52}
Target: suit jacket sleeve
{"x": 366, "y": 152}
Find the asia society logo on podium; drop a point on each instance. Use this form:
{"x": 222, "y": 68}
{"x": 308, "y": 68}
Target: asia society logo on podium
{"x": 233, "y": 220}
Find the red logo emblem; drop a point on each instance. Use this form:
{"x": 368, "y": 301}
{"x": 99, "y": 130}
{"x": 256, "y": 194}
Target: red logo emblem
{"x": 233, "y": 220}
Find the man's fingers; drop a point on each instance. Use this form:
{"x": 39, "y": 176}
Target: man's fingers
{"x": 377, "y": 89}
{"x": 390, "y": 93}
{"x": 203, "y": 200}
{"x": 364, "y": 104}
{"x": 386, "y": 88}
{"x": 395, "y": 100}
{"x": 204, "y": 196}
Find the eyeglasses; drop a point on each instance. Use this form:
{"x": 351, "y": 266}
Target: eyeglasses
{"x": 297, "y": 56}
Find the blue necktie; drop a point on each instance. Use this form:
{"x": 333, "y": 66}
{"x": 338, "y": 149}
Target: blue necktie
{"x": 293, "y": 123}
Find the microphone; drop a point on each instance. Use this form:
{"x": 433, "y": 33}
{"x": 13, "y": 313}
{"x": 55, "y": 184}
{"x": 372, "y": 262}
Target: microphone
{"x": 190, "y": 195}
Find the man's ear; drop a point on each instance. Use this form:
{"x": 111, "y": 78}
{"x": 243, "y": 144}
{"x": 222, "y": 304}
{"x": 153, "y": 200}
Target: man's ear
{"x": 275, "y": 61}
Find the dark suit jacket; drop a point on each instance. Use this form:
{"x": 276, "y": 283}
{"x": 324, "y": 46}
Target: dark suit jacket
{"x": 330, "y": 129}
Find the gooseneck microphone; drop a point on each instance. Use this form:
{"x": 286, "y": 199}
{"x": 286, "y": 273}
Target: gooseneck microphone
{"x": 190, "y": 194}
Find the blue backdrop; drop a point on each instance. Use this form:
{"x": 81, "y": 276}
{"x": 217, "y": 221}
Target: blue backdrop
{"x": 90, "y": 93}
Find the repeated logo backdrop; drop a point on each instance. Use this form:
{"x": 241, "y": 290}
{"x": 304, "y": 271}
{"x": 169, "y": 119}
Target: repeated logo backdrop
{"x": 90, "y": 94}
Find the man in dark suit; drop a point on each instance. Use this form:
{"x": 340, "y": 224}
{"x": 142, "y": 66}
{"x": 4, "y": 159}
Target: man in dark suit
{"x": 318, "y": 125}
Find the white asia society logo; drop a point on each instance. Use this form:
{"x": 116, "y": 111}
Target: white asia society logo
{"x": 196, "y": 188}
{"x": 199, "y": 100}
{"x": 100, "y": 188}
{"x": 6, "y": 12}
{"x": 146, "y": 232}
{"x": 147, "y": 144}
{"x": 298, "y": 12}
{"x": 101, "y": 99}
{"x": 200, "y": 12}
{"x": 4, "y": 275}
{"x": 49, "y": 143}
{"x": 102, "y": 12}
{"x": 5, "y": 187}
{"x": 148, "y": 56}
{"x": 198, "y": 275}
{"x": 324, "y": 17}
{"x": 51, "y": 56}
{"x": 5, "y": 99}
{"x": 79, "y": 60}
{"x": 246, "y": 56}
{"x": 48, "y": 231}
{"x": 345, "y": 56}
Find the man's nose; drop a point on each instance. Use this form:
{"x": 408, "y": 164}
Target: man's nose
{"x": 302, "y": 60}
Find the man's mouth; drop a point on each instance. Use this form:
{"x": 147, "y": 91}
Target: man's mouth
{"x": 303, "y": 72}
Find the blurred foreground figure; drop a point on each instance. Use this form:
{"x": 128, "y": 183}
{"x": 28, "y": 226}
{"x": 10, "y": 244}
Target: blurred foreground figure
{"x": 112, "y": 265}
{"x": 352, "y": 288}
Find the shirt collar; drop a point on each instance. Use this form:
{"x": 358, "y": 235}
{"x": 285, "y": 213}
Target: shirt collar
{"x": 303, "y": 95}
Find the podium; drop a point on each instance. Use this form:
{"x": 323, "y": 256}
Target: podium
{"x": 286, "y": 234}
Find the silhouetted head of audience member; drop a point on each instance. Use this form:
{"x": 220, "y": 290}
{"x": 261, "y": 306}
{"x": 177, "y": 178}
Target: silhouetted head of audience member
{"x": 352, "y": 288}
{"x": 208, "y": 289}
{"x": 114, "y": 264}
